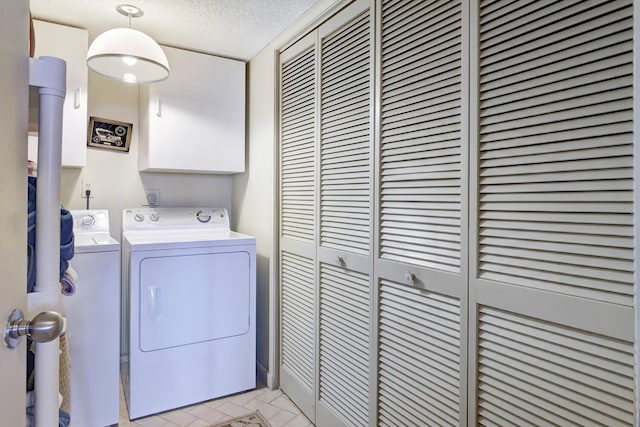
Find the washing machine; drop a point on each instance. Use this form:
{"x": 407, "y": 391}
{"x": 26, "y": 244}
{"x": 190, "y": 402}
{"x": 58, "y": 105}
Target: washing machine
{"x": 191, "y": 287}
{"x": 93, "y": 321}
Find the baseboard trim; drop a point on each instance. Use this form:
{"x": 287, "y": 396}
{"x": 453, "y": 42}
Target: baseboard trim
{"x": 265, "y": 377}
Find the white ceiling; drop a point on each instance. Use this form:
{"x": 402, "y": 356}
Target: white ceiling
{"x": 233, "y": 28}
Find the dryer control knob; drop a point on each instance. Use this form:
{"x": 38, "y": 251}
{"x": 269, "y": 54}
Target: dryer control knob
{"x": 203, "y": 216}
{"x": 154, "y": 217}
{"x": 139, "y": 217}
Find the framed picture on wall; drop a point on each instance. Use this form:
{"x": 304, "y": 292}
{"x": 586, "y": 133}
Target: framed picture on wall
{"x": 109, "y": 134}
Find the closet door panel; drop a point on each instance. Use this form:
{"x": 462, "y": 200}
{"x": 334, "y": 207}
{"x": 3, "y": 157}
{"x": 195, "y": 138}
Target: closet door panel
{"x": 555, "y": 163}
{"x": 298, "y": 142}
{"x": 343, "y": 392}
{"x": 348, "y": 260}
{"x": 437, "y": 281}
{"x": 297, "y": 371}
{"x": 420, "y": 154}
{"x": 345, "y": 131}
{"x": 420, "y": 262}
{"x": 533, "y": 371}
{"x": 552, "y": 236}
{"x": 605, "y": 319}
{"x": 419, "y": 341}
{"x": 297, "y": 247}
{"x": 345, "y": 216}
{"x": 297, "y": 187}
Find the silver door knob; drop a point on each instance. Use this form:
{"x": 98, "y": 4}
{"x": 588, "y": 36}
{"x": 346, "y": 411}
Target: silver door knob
{"x": 45, "y": 327}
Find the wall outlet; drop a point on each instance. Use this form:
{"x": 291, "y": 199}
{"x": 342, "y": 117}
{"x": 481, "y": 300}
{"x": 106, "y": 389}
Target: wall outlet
{"x": 153, "y": 198}
{"x": 87, "y": 185}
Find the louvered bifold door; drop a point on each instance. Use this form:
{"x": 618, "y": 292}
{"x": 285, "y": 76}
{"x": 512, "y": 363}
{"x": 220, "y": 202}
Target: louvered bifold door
{"x": 552, "y": 249}
{"x": 421, "y": 254}
{"x": 297, "y": 183}
{"x": 345, "y": 208}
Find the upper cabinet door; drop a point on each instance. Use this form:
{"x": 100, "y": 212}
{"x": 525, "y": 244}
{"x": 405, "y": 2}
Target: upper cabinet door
{"x": 194, "y": 121}
{"x": 70, "y": 44}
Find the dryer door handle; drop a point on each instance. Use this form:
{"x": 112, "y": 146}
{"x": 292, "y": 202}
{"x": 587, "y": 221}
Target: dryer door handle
{"x": 155, "y": 308}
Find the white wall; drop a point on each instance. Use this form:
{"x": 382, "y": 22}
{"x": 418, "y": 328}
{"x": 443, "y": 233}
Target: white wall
{"x": 253, "y": 199}
{"x": 254, "y": 196}
{"x": 117, "y": 183}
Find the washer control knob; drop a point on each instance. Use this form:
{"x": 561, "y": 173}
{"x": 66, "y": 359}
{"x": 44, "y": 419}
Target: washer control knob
{"x": 88, "y": 220}
{"x": 154, "y": 217}
{"x": 203, "y": 216}
{"x": 139, "y": 217}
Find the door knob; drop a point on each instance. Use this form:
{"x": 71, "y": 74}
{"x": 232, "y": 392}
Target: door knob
{"x": 45, "y": 327}
{"x": 409, "y": 277}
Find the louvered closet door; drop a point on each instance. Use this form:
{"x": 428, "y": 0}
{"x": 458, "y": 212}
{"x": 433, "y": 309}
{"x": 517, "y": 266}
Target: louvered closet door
{"x": 421, "y": 259}
{"x": 552, "y": 263}
{"x": 345, "y": 208}
{"x": 297, "y": 242}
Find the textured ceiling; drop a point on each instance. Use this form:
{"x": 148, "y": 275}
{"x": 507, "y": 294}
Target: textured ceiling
{"x": 232, "y": 28}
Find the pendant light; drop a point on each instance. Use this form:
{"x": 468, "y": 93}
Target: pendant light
{"x": 128, "y": 55}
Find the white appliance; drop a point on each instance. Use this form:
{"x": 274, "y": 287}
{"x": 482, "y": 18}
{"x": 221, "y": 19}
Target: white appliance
{"x": 191, "y": 286}
{"x": 93, "y": 321}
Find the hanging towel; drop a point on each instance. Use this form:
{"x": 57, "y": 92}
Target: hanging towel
{"x": 68, "y": 282}
{"x": 66, "y": 239}
{"x": 66, "y": 236}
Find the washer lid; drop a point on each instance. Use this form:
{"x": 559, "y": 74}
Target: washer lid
{"x": 85, "y": 243}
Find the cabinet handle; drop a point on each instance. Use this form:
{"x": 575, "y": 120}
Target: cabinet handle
{"x": 76, "y": 98}
{"x": 158, "y": 107}
{"x": 339, "y": 261}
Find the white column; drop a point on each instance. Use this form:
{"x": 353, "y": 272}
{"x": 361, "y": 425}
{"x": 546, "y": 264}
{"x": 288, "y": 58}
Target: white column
{"x": 49, "y": 75}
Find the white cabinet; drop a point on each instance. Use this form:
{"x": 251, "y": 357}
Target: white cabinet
{"x": 70, "y": 44}
{"x": 194, "y": 121}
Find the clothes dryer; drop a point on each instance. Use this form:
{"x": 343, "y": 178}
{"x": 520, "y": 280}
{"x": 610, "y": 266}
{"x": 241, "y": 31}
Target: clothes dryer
{"x": 191, "y": 286}
{"x": 93, "y": 321}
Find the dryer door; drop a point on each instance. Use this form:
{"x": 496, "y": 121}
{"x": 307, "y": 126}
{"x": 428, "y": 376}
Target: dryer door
{"x": 193, "y": 298}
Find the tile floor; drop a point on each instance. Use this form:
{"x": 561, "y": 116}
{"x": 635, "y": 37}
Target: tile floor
{"x": 274, "y": 405}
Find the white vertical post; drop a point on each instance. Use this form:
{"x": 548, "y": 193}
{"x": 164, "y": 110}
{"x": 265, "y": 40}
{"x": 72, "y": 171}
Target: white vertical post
{"x": 49, "y": 75}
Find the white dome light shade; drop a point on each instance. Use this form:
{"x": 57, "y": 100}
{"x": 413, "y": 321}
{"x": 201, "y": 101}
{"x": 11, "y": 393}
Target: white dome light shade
{"x": 128, "y": 55}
